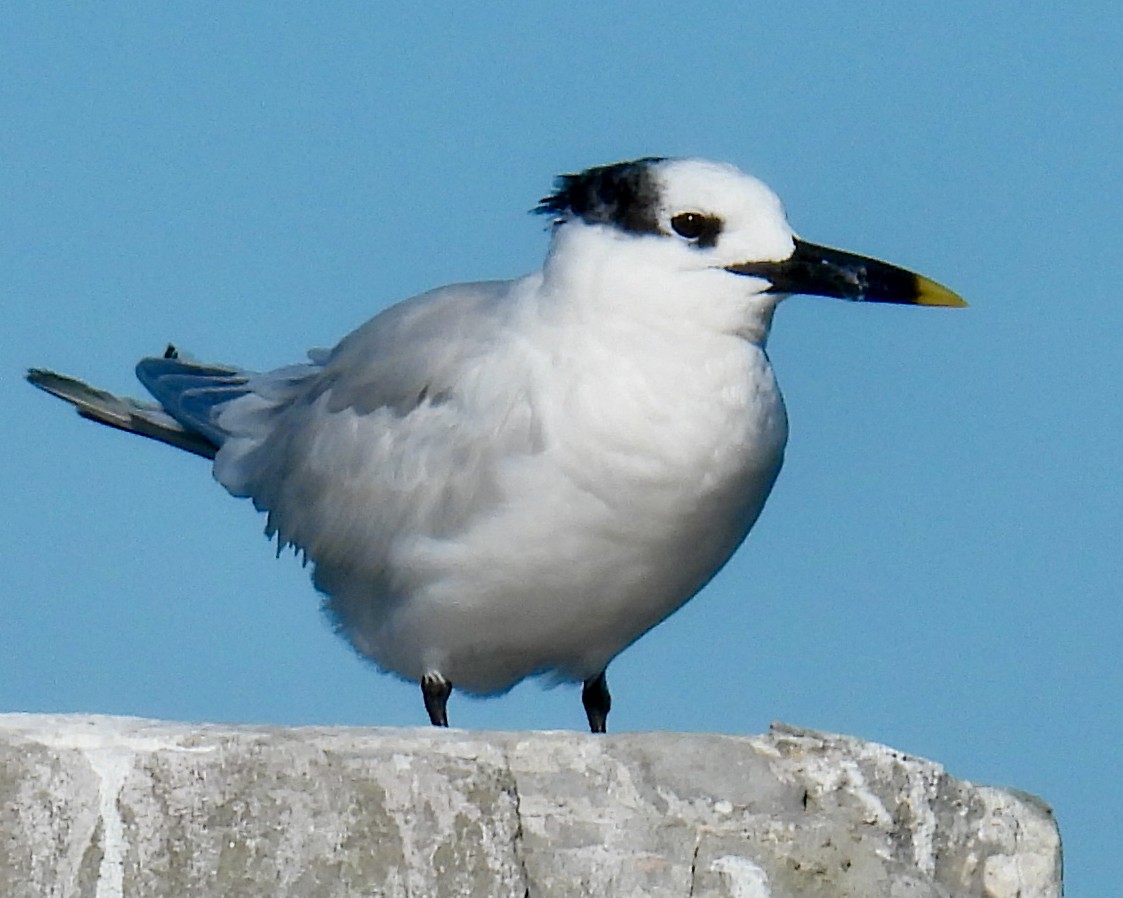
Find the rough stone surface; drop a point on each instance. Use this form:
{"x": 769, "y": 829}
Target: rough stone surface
{"x": 103, "y": 807}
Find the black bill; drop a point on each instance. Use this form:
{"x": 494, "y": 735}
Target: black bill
{"x": 822, "y": 271}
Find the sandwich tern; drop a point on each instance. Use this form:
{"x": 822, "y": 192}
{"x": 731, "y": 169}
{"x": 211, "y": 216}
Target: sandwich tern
{"x": 506, "y": 479}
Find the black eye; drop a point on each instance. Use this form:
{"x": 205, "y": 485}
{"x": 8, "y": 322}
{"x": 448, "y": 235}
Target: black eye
{"x": 690, "y": 225}
{"x": 696, "y": 226}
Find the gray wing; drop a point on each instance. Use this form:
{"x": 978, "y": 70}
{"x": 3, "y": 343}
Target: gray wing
{"x": 418, "y": 350}
{"x": 399, "y": 432}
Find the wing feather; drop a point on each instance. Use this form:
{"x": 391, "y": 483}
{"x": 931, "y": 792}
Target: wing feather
{"x": 402, "y": 428}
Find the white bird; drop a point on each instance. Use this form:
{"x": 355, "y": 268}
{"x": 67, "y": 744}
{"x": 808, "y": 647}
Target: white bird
{"x": 505, "y": 479}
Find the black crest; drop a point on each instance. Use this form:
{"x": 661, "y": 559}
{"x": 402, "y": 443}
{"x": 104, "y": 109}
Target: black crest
{"x": 624, "y": 194}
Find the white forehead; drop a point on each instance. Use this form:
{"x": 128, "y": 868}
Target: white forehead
{"x": 753, "y": 216}
{"x": 715, "y": 188}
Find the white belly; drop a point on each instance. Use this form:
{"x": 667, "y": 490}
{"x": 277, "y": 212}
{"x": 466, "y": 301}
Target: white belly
{"x": 620, "y": 519}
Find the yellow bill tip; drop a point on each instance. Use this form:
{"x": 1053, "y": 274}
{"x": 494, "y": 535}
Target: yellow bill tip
{"x": 929, "y": 293}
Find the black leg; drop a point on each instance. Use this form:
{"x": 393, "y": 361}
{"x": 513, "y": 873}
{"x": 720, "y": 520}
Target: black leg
{"x": 436, "y": 690}
{"x": 597, "y": 702}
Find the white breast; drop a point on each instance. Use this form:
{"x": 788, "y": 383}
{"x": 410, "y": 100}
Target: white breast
{"x": 653, "y": 466}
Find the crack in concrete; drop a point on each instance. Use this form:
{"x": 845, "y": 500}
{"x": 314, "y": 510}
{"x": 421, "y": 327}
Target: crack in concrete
{"x": 519, "y": 835}
{"x": 694, "y": 866}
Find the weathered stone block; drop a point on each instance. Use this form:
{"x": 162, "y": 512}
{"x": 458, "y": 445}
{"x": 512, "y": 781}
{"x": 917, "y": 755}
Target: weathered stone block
{"x": 96, "y": 807}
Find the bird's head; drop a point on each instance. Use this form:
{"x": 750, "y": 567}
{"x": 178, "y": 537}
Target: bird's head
{"x": 691, "y": 230}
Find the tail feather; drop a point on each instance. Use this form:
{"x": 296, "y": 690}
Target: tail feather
{"x": 145, "y": 419}
{"x": 192, "y": 392}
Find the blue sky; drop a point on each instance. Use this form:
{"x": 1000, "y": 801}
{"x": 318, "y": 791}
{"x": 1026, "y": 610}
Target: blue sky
{"x": 940, "y": 565}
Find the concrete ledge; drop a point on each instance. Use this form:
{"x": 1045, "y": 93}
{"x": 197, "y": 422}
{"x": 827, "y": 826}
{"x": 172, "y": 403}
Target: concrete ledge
{"x": 104, "y": 807}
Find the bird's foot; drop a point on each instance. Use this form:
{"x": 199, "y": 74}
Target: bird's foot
{"x": 436, "y": 689}
{"x": 597, "y": 702}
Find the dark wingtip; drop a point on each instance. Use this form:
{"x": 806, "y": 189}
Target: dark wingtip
{"x": 50, "y": 381}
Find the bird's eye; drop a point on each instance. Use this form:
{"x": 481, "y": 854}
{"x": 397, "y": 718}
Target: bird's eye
{"x": 696, "y": 226}
{"x": 690, "y": 225}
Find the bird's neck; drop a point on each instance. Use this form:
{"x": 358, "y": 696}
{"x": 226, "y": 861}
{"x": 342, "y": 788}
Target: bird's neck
{"x": 598, "y": 282}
